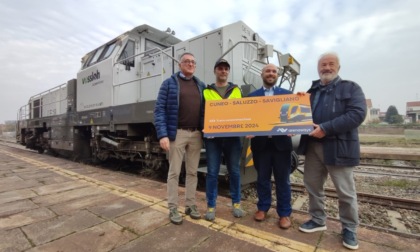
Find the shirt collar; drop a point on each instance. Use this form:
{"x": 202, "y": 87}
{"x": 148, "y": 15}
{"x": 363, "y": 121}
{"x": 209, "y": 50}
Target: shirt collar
{"x": 183, "y": 76}
{"x": 269, "y": 89}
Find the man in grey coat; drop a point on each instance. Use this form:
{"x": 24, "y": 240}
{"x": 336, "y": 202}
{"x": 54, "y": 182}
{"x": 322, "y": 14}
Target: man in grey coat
{"x": 338, "y": 108}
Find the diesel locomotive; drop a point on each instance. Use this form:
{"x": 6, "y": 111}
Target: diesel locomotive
{"x": 107, "y": 111}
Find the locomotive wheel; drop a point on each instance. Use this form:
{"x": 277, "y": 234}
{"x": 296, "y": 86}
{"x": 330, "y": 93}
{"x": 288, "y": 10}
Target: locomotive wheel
{"x": 100, "y": 157}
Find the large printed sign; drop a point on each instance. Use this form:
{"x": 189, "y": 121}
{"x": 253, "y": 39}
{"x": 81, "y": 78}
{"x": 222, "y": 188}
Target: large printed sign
{"x": 258, "y": 116}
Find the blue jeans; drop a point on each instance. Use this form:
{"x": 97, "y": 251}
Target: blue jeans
{"x": 231, "y": 149}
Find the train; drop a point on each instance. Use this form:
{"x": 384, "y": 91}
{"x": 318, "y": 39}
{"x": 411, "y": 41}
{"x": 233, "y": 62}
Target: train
{"x": 107, "y": 111}
{"x": 295, "y": 112}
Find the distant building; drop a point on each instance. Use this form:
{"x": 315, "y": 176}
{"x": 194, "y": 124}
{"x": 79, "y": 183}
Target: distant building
{"x": 407, "y": 119}
{"x": 372, "y": 114}
{"x": 8, "y": 126}
{"x": 413, "y": 111}
{"x": 382, "y": 116}
{"x": 10, "y": 122}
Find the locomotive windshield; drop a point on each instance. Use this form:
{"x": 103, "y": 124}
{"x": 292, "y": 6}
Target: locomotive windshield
{"x": 100, "y": 54}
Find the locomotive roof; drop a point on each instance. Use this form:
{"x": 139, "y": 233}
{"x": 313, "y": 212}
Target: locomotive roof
{"x": 163, "y": 37}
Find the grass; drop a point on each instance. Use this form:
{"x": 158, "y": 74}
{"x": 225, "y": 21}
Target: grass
{"x": 400, "y": 183}
{"x": 388, "y": 141}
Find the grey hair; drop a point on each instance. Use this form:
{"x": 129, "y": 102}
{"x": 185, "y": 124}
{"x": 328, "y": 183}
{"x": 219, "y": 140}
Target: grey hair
{"x": 334, "y": 54}
{"x": 185, "y": 53}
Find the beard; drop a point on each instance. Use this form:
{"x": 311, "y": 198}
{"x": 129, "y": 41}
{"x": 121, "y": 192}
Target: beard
{"x": 327, "y": 77}
{"x": 270, "y": 83}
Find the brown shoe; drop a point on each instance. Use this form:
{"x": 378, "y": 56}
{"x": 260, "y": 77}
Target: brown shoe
{"x": 259, "y": 215}
{"x": 285, "y": 222}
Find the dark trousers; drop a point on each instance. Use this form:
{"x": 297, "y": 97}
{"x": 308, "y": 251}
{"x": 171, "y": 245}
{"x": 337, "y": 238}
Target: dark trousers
{"x": 270, "y": 162}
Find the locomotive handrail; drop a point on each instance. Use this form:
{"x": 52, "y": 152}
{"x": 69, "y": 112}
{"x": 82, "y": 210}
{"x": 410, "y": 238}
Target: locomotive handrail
{"x": 248, "y": 69}
{"x": 249, "y": 63}
{"x": 147, "y": 51}
{"x": 240, "y": 42}
{"x": 25, "y": 110}
{"x": 159, "y": 50}
{"x": 286, "y": 74}
{"x": 142, "y": 78}
{"x": 47, "y": 91}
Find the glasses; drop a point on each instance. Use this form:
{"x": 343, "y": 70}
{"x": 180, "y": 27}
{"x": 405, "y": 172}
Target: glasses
{"x": 187, "y": 62}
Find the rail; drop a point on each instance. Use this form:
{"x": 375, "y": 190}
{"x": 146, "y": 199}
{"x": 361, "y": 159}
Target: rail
{"x": 387, "y": 201}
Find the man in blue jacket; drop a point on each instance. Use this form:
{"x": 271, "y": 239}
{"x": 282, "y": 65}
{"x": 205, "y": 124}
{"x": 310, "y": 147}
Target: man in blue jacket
{"x": 338, "y": 108}
{"x": 179, "y": 117}
{"x": 272, "y": 155}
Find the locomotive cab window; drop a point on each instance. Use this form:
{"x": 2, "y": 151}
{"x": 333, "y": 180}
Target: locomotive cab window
{"x": 96, "y": 56}
{"x": 86, "y": 60}
{"x": 108, "y": 50}
{"x": 100, "y": 54}
{"x": 126, "y": 54}
{"x": 153, "y": 45}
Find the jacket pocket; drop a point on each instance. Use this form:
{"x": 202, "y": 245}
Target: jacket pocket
{"x": 339, "y": 102}
{"x": 347, "y": 147}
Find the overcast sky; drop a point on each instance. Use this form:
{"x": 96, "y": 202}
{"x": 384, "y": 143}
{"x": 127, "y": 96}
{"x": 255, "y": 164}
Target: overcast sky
{"x": 42, "y": 41}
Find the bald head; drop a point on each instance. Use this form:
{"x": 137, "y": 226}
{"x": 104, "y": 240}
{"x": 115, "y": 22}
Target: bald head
{"x": 269, "y": 75}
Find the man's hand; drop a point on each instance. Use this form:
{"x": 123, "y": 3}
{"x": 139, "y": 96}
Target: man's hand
{"x": 164, "y": 143}
{"x": 317, "y": 132}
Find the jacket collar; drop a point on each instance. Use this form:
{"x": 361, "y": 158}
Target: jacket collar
{"x": 316, "y": 84}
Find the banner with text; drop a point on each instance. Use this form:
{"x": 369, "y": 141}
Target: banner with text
{"x": 258, "y": 116}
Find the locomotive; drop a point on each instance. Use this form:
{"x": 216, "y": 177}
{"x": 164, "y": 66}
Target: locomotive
{"x": 107, "y": 111}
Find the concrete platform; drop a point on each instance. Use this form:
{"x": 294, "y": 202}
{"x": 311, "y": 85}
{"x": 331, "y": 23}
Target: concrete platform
{"x": 52, "y": 204}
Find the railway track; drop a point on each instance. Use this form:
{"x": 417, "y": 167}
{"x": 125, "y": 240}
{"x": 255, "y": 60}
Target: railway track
{"x": 381, "y": 200}
{"x": 400, "y": 167}
{"x": 397, "y": 171}
{"x": 373, "y": 173}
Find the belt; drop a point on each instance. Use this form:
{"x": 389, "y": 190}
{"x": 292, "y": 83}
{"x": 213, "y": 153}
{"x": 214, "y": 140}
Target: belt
{"x": 188, "y": 128}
